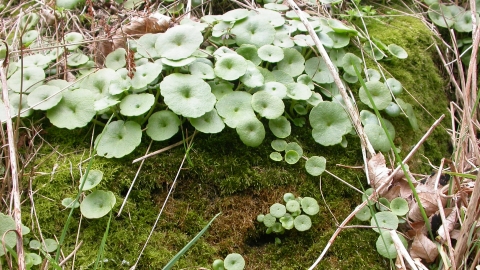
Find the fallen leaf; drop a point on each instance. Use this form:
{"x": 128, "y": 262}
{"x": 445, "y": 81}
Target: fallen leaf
{"x": 450, "y": 222}
{"x": 423, "y": 248}
{"x": 378, "y": 173}
{"x": 428, "y": 198}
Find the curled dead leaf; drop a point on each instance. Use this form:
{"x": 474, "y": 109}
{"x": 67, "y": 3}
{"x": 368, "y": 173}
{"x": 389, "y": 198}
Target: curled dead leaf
{"x": 423, "y": 248}
{"x": 449, "y": 224}
{"x": 378, "y": 173}
{"x": 428, "y": 198}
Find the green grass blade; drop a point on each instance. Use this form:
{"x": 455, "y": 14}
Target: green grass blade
{"x": 189, "y": 245}
{"x": 102, "y": 244}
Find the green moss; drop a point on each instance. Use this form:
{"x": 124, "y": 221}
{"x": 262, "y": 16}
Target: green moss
{"x": 421, "y": 78}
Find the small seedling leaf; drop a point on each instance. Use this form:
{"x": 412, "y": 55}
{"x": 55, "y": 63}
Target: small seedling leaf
{"x": 315, "y": 165}
{"x": 97, "y": 204}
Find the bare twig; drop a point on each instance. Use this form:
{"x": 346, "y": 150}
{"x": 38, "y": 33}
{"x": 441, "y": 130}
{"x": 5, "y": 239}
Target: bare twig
{"x": 17, "y": 214}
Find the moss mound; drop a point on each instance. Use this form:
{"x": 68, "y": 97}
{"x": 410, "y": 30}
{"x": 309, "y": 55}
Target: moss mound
{"x": 226, "y": 176}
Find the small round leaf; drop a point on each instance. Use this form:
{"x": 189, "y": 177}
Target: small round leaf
{"x": 162, "y": 125}
{"x": 302, "y": 223}
{"x": 315, "y": 165}
{"x": 399, "y": 206}
{"x": 97, "y": 204}
{"x": 277, "y": 210}
{"x": 234, "y": 261}
{"x": 119, "y": 139}
{"x": 93, "y": 179}
{"x": 386, "y": 220}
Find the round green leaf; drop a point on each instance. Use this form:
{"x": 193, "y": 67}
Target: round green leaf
{"x": 255, "y": 30}
{"x": 8, "y": 239}
{"x": 395, "y": 86}
{"x": 29, "y": 37}
{"x": 283, "y": 40}
{"x": 145, "y": 74}
{"x": 397, "y": 51}
{"x": 235, "y": 15}
{"x": 230, "y": 67}
{"x": 288, "y": 197}
{"x": 50, "y": 245}
{"x": 29, "y": 20}
{"x": 279, "y": 145}
{"x": 399, "y": 206}
{"x": 315, "y": 99}
{"x": 298, "y": 91}
{"x": 302, "y": 223}
{"x": 201, "y": 70}
{"x": 292, "y": 206}
{"x": 350, "y": 61}
{"x": 162, "y": 125}
{"x": 187, "y": 95}
{"x": 441, "y": 15}
{"x": 44, "y": 97}
{"x": 373, "y": 75}
{"x": 291, "y": 157}
{"x": 377, "y": 137}
{"x": 178, "y": 63}
{"x": 136, "y": 104}
{"x": 274, "y": 18}
{"x": 234, "y": 261}
{"x": 276, "y": 156}
{"x": 280, "y": 127}
{"x": 316, "y": 68}
{"x": 235, "y": 108}
{"x": 97, "y": 204}
{"x": 93, "y": 179}
{"x": 146, "y": 45}
{"x": 340, "y": 40}
{"x": 249, "y": 52}
{"x": 269, "y": 220}
{"x": 119, "y": 139}
{"x": 33, "y": 259}
{"x": 77, "y": 59}
{"x": 330, "y": 122}
{"x": 292, "y": 62}
{"x": 393, "y": 110}
{"x": 386, "y": 246}
{"x": 379, "y": 92}
{"x": 277, "y": 210}
{"x": 73, "y": 37}
{"x": 74, "y": 110}
{"x": 32, "y": 76}
{"x": 70, "y": 203}
{"x": 252, "y": 77}
{"x": 310, "y": 206}
{"x": 208, "y": 123}
{"x": 179, "y": 42}
{"x": 276, "y": 7}
{"x": 364, "y": 214}
{"x": 276, "y": 89}
{"x": 287, "y": 221}
{"x": 315, "y": 165}
{"x": 386, "y": 220}
{"x": 295, "y": 147}
{"x": 218, "y": 265}
{"x": 382, "y": 204}
{"x": 251, "y": 132}
{"x": 116, "y": 59}
{"x": 270, "y": 53}
{"x": 267, "y": 105}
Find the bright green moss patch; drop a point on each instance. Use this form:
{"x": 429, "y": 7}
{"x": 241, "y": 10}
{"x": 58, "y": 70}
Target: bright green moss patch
{"x": 420, "y": 76}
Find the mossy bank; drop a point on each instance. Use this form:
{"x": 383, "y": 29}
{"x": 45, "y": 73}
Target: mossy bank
{"x": 226, "y": 176}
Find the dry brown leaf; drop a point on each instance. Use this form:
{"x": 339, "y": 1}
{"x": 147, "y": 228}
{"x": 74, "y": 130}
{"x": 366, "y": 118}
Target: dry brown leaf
{"x": 450, "y": 222}
{"x": 423, "y": 248}
{"x": 428, "y": 197}
{"x": 378, "y": 172}
{"x": 138, "y": 26}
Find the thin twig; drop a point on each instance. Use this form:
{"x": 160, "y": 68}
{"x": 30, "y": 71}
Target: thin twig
{"x": 164, "y": 149}
{"x": 17, "y": 214}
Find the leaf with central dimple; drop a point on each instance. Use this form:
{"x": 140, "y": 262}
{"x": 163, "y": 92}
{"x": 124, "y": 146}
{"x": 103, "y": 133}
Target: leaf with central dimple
{"x": 292, "y": 62}
{"x": 92, "y": 180}
{"x": 119, "y": 139}
{"x": 267, "y": 105}
{"x": 145, "y": 74}
{"x": 255, "y": 30}
{"x": 74, "y": 110}
{"x": 208, "y": 123}
{"x": 179, "y": 42}
{"x": 235, "y": 108}
{"x": 283, "y": 40}
{"x": 99, "y": 82}
{"x": 379, "y": 93}
{"x": 116, "y": 59}
{"x": 187, "y": 95}
{"x": 235, "y": 15}
{"x": 31, "y": 79}
{"x": 251, "y": 132}
{"x": 274, "y": 18}
{"x": 230, "y": 67}
{"x": 349, "y": 61}
{"x": 146, "y": 45}
{"x": 317, "y": 69}
{"x": 270, "y": 53}
{"x": 163, "y": 125}
{"x": 252, "y": 77}
{"x": 330, "y": 122}
{"x": 249, "y": 52}
{"x": 41, "y": 94}
{"x": 201, "y": 70}
{"x": 97, "y": 204}
{"x": 280, "y": 127}
{"x": 276, "y": 89}
{"x": 136, "y": 104}
{"x": 298, "y": 91}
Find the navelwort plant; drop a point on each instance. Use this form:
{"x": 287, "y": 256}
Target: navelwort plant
{"x": 384, "y": 215}
{"x": 233, "y": 261}
{"x": 246, "y": 69}
{"x": 295, "y": 213}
